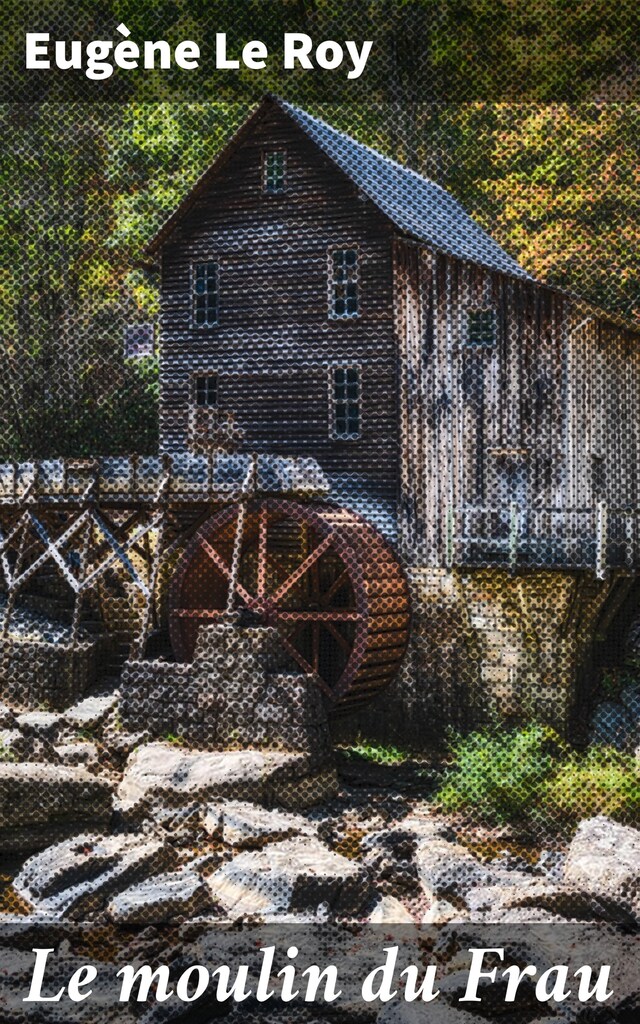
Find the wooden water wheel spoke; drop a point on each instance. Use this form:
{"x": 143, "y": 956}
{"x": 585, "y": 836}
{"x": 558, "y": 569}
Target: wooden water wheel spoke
{"x": 262, "y": 552}
{"x": 226, "y": 570}
{"x": 323, "y": 577}
{"x": 337, "y": 635}
{"x": 308, "y": 563}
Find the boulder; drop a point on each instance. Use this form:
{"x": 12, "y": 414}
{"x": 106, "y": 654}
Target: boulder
{"x": 90, "y": 712}
{"x": 42, "y": 725}
{"x": 79, "y": 752}
{"x": 446, "y": 869}
{"x": 242, "y": 824}
{"x": 444, "y": 912}
{"x": 77, "y": 877}
{"x": 398, "y": 1012}
{"x": 389, "y": 910}
{"x": 14, "y": 744}
{"x": 170, "y": 775}
{"x": 604, "y": 860}
{"x": 41, "y": 804}
{"x": 162, "y": 899}
{"x": 564, "y": 901}
{"x": 295, "y": 875}
{"x": 7, "y": 717}
{"x": 389, "y": 857}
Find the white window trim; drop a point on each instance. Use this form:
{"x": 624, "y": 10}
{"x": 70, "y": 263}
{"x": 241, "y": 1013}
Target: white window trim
{"x": 333, "y": 434}
{"x": 342, "y": 246}
{"x": 192, "y": 292}
{"x": 265, "y": 153}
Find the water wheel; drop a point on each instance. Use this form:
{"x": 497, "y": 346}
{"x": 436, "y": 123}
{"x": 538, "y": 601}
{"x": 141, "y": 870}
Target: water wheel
{"x": 321, "y": 575}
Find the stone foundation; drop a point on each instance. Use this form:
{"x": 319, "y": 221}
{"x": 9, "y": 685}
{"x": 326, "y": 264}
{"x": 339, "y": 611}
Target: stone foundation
{"x": 37, "y": 674}
{"x": 231, "y": 696}
{"x": 489, "y": 646}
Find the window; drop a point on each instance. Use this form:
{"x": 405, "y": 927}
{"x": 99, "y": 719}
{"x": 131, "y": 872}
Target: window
{"x": 206, "y": 390}
{"x": 205, "y": 293}
{"x": 344, "y": 282}
{"x": 274, "y": 171}
{"x": 345, "y": 402}
{"x": 481, "y": 327}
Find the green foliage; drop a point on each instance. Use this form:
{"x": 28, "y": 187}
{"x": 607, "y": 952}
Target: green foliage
{"x": 174, "y": 740}
{"x": 528, "y": 776}
{"x": 87, "y": 185}
{"x": 5, "y": 754}
{"x": 377, "y": 753}
{"x": 498, "y": 773}
{"x": 601, "y": 781}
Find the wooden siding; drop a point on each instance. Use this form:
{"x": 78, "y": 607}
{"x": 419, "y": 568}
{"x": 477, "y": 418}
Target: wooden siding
{"x": 505, "y": 436}
{"x": 275, "y": 341}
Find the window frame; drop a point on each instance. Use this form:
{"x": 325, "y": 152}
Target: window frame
{"x": 333, "y": 401}
{"x": 266, "y": 153}
{"x": 199, "y": 261}
{"x": 198, "y": 375}
{"x": 479, "y": 311}
{"x": 331, "y": 298}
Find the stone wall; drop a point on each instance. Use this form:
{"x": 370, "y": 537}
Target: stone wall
{"x": 232, "y": 695}
{"x": 36, "y": 674}
{"x": 490, "y": 646}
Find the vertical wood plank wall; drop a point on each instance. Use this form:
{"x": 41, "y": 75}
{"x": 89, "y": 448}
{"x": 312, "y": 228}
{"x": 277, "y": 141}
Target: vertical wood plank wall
{"x": 554, "y": 403}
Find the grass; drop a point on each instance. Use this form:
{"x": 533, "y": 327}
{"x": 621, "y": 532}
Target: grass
{"x": 529, "y": 776}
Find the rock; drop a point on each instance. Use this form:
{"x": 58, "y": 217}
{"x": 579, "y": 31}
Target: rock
{"x": 611, "y": 725}
{"x": 443, "y": 912}
{"x": 80, "y": 752}
{"x": 77, "y": 877}
{"x": 160, "y": 772}
{"x": 91, "y": 712}
{"x": 41, "y": 804}
{"x": 399, "y": 1012}
{"x": 550, "y": 863}
{"x": 162, "y": 899}
{"x": 422, "y": 823}
{"x": 604, "y": 860}
{"x": 14, "y": 745}
{"x": 389, "y": 857}
{"x": 242, "y": 824}
{"x": 41, "y": 724}
{"x": 566, "y": 902}
{"x": 295, "y": 875}
{"x": 389, "y": 910}
{"x": 446, "y": 869}
{"x": 7, "y": 717}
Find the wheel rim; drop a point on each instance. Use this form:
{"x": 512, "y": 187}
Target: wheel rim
{"x": 301, "y": 569}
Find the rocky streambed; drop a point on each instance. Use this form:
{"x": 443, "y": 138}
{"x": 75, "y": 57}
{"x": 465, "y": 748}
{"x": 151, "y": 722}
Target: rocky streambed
{"x": 102, "y": 828}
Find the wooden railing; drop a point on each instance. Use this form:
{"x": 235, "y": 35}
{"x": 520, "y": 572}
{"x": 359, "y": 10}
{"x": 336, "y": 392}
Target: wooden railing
{"x": 600, "y": 538}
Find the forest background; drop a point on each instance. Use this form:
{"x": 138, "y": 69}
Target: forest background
{"x": 527, "y": 113}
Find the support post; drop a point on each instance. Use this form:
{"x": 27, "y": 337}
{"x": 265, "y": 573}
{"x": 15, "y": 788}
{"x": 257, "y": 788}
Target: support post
{"x": 514, "y": 531}
{"x": 450, "y": 524}
{"x": 601, "y": 540}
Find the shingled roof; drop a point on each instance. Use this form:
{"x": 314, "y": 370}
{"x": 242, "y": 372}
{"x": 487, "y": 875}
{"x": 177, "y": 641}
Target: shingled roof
{"x": 414, "y": 204}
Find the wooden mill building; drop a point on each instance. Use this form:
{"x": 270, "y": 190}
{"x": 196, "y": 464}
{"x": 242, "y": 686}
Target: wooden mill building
{"x": 320, "y": 299}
